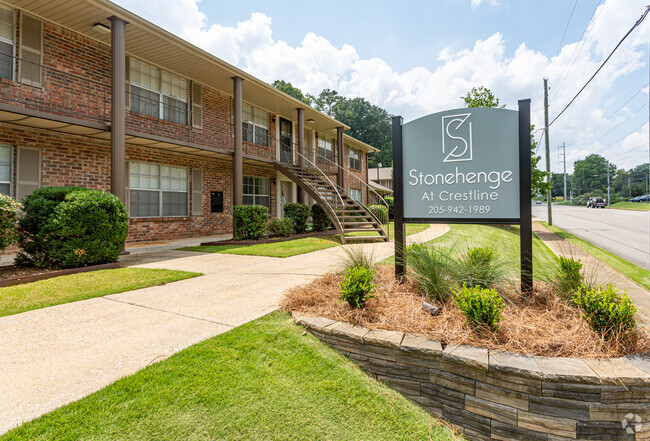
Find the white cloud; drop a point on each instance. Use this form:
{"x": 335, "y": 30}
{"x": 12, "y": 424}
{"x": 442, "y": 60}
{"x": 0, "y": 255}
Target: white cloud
{"x": 316, "y": 64}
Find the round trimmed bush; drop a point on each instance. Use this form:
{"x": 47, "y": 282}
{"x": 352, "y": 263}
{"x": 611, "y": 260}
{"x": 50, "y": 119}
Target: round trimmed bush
{"x": 249, "y": 221}
{"x": 70, "y": 227}
{"x": 9, "y": 214}
{"x": 299, "y": 213}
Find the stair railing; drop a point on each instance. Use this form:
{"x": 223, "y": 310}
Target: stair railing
{"x": 340, "y": 227}
{"x": 383, "y": 224}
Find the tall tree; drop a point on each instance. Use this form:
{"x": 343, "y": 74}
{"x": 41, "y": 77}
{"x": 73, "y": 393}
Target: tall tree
{"x": 327, "y": 100}
{"x": 290, "y": 90}
{"x": 370, "y": 124}
{"x": 483, "y": 97}
{"x": 591, "y": 173}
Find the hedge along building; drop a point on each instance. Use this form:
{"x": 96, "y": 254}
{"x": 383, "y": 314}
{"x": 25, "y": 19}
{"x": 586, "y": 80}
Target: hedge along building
{"x": 92, "y": 95}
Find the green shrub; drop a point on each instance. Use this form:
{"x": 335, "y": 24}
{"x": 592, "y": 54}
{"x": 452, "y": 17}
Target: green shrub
{"x": 607, "y": 311}
{"x": 280, "y": 227}
{"x": 432, "y": 270}
{"x": 249, "y": 221}
{"x": 567, "y": 277}
{"x": 379, "y": 211}
{"x": 319, "y": 218}
{"x": 356, "y": 286}
{"x": 478, "y": 267}
{"x": 9, "y": 213}
{"x": 299, "y": 213}
{"x": 70, "y": 227}
{"x": 391, "y": 207}
{"x": 482, "y": 307}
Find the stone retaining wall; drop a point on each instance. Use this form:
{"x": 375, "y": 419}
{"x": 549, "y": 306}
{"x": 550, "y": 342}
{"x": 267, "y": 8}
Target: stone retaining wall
{"x": 491, "y": 394}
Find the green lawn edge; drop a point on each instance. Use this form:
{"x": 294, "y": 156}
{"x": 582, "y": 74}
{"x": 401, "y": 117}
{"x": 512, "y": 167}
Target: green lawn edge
{"x": 81, "y": 286}
{"x": 264, "y": 380}
{"x": 633, "y": 206}
{"x": 628, "y": 269}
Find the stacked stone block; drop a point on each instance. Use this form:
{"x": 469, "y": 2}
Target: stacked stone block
{"x": 499, "y": 395}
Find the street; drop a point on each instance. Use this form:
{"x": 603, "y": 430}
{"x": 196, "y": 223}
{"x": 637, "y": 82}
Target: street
{"x": 625, "y": 233}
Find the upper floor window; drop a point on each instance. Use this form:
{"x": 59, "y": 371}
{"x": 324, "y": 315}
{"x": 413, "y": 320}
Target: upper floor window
{"x": 7, "y": 33}
{"x": 255, "y": 125}
{"x": 326, "y": 147}
{"x": 157, "y": 93}
{"x": 354, "y": 159}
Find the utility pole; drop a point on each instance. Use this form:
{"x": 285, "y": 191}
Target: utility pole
{"x": 608, "y": 182}
{"x": 548, "y": 153}
{"x": 563, "y": 147}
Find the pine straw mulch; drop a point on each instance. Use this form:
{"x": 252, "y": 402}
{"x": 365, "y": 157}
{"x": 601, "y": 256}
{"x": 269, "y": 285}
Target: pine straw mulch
{"x": 541, "y": 324}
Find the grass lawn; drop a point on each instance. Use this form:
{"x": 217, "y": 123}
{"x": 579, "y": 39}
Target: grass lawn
{"x": 74, "y": 287}
{"x": 637, "y": 206}
{"x": 632, "y": 271}
{"x": 261, "y": 381}
{"x": 505, "y": 243}
{"x": 276, "y": 249}
{"x": 410, "y": 229}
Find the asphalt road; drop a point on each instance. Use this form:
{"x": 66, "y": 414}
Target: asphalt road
{"x": 625, "y": 233}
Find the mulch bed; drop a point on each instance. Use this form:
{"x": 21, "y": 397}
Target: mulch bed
{"x": 542, "y": 324}
{"x": 326, "y": 233}
{"x": 16, "y": 275}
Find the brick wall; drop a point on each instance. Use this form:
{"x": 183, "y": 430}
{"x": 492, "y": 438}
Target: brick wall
{"x": 83, "y": 161}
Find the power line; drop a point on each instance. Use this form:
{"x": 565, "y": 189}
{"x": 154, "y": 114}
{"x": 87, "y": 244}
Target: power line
{"x": 617, "y": 110}
{"x": 621, "y": 138}
{"x": 638, "y": 22}
{"x": 610, "y": 130}
{"x": 567, "y": 27}
{"x": 583, "y": 40}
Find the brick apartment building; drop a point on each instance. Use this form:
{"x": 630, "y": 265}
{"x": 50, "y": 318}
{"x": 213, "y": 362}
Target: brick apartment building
{"x": 92, "y": 95}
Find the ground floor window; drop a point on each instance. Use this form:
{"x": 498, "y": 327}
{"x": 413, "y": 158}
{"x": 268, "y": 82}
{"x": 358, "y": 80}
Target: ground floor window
{"x": 257, "y": 191}
{"x": 355, "y": 194}
{"x": 158, "y": 190}
{"x": 5, "y": 169}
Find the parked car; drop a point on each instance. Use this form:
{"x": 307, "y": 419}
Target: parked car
{"x": 596, "y": 202}
{"x": 645, "y": 198}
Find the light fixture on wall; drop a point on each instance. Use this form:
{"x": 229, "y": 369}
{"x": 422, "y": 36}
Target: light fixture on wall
{"x": 310, "y": 120}
{"x": 101, "y": 28}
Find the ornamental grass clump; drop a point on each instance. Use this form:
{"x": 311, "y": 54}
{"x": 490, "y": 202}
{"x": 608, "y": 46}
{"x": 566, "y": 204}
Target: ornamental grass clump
{"x": 608, "y": 312}
{"x": 568, "y": 278}
{"x": 432, "y": 270}
{"x": 482, "y": 307}
{"x": 478, "y": 267}
{"x": 357, "y": 286}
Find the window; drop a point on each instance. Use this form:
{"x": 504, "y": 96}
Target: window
{"x": 157, "y": 93}
{"x": 257, "y": 191}
{"x": 355, "y": 194}
{"x": 354, "y": 159}
{"x": 326, "y": 147}
{"x": 255, "y": 125}
{"x": 31, "y": 50}
{"x": 6, "y": 153}
{"x": 6, "y": 43}
{"x": 157, "y": 190}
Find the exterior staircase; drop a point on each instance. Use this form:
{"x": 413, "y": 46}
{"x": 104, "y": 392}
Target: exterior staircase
{"x": 347, "y": 215}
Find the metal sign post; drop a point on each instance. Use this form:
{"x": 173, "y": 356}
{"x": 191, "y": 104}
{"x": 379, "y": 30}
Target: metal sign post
{"x": 464, "y": 166}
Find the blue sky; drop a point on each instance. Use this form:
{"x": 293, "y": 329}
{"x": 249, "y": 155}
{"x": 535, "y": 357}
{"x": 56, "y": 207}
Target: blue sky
{"x": 418, "y": 57}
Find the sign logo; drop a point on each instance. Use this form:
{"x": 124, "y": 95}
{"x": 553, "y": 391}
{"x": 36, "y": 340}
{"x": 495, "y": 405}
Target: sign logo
{"x": 456, "y": 138}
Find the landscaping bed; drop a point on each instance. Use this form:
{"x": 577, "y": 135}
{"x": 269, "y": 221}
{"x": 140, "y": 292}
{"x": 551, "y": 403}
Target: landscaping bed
{"x": 541, "y": 324}
{"x": 15, "y": 275}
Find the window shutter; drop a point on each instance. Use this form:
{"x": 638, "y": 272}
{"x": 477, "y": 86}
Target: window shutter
{"x": 127, "y": 76}
{"x": 197, "y": 106}
{"x": 197, "y": 192}
{"x": 31, "y": 50}
{"x": 28, "y": 171}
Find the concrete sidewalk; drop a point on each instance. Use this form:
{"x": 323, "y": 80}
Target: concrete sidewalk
{"x": 597, "y": 271}
{"x": 52, "y": 356}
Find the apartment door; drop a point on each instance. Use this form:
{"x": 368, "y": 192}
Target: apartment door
{"x": 286, "y": 141}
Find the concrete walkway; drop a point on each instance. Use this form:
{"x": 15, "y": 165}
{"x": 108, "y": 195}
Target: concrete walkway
{"x": 52, "y": 356}
{"x": 597, "y": 271}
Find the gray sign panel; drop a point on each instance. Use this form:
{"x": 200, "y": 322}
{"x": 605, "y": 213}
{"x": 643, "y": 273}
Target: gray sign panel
{"x": 462, "y": 164}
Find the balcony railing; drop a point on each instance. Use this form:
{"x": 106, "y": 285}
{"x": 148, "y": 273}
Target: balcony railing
{"x": 39, "y": 87}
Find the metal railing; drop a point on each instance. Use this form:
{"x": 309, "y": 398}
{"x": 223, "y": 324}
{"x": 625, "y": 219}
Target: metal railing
{"x": 40, "y": 87}
{"x": 385, "y": 225}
